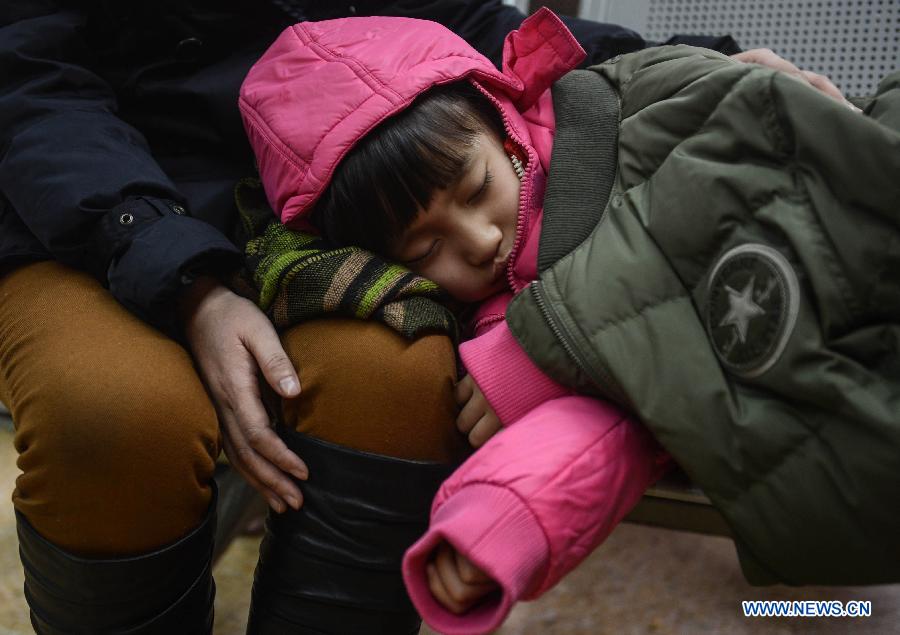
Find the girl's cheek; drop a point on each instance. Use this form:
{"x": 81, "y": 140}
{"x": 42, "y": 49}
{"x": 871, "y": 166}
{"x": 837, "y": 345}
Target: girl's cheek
{"x": 436, "y": 274}
{"x": 453, "y": 281}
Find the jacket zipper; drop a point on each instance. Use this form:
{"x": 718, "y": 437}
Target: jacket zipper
{"x": 486, "y": 320}
{"x": 524, "y": 192}
{"x": 599, "y": 376}
{"x": 605, "y": 380}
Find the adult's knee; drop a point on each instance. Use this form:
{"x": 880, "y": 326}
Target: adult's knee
{"x": 117, "y": 438}
{"x": 117, "y": 461}
{"x": 365, "y": 386}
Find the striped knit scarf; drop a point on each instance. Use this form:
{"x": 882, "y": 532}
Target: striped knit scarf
{"x": 295, "y": 276}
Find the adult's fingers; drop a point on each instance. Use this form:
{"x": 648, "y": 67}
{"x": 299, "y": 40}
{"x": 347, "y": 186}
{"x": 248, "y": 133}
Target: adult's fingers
{"x": 768, "y": 58}
{"x": 252, "y": 442}
{"x": 256, "y": 432}
{"x": 272, "y": 498}
{"x": 263, "y": 344}
{"x": 231, "y": 341}
{"x": 276, "y": 367}
{"x": 824, "y": 84}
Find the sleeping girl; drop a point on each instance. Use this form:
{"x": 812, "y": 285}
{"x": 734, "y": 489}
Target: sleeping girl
{"x": 396, "y": 136}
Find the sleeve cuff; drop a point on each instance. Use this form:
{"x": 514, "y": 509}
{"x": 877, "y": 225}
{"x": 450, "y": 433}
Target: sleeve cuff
{"x": 161, "y": 259}
{"x": 497, "y": 531}
{"x": 510, "y": 381}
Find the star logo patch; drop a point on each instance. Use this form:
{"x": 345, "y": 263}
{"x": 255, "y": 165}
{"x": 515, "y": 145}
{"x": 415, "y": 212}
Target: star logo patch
{"x": 753, "y": 299}
{"x": 742, "y": 309}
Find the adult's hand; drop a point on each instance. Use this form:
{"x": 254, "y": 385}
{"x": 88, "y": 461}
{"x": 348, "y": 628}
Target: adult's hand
{"x": 232, "y": 341}
{"x": 768, "y": 58}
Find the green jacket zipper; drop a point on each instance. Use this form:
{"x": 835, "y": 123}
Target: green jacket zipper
{"x": 598, "y": 375}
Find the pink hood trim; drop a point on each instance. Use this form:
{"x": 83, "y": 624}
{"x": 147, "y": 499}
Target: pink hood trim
{"x": 322, "y": 86}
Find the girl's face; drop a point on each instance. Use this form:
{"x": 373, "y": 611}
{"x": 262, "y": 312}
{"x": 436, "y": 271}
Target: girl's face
{"x": 463, "y": 239}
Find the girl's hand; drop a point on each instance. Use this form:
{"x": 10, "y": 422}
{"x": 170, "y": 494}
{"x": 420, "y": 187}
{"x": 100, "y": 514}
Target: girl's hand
{"x": 476, "y": 419}
{"x": 232, "y": 342}
{"x": 766, "y": 57}
{"x": 455, "y": 582}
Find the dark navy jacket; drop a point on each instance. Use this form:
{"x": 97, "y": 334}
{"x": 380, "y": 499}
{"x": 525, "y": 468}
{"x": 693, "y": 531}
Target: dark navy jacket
{"x": 120, "y": 139}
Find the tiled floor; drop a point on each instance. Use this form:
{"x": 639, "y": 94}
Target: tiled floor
{"x": 642, "y": 580}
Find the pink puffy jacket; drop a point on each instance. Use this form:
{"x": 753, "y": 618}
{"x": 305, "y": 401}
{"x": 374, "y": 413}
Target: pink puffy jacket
{"x": 542, "y": 493}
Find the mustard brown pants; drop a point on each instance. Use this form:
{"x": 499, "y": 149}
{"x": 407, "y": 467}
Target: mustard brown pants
{"x": 117, "y": 437}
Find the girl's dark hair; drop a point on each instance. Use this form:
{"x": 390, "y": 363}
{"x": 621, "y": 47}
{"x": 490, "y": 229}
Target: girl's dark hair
{"x": 380, "y": 185}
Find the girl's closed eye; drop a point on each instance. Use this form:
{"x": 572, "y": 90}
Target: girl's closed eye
{"x": 482, "y": 188}
{"x": 423, "y": 257}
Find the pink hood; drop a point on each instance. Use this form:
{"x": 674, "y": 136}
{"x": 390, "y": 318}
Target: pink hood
{"x": 322, "y": 86}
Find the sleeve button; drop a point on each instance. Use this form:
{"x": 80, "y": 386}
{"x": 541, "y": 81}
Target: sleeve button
{"x": 188, "y": 49}
{"x": 178, "y": 209}
{"x": 126, "y": 219}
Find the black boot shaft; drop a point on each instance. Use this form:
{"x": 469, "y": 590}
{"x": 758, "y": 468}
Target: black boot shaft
{"x": 334, "y": 566}
{"x": 169, "y": 591}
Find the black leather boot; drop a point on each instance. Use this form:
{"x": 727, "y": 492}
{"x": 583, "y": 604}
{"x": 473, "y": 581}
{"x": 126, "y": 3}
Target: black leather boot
{"x": 334, "y": 566}
{"x": 167, "y": 592}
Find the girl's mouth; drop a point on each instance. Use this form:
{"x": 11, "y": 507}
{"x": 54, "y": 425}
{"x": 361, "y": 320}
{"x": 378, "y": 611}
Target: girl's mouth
{"x": 500, "y": 267}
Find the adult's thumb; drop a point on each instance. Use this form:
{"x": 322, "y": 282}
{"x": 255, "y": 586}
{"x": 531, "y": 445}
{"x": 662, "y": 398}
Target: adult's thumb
{"x": 274, "y": 363}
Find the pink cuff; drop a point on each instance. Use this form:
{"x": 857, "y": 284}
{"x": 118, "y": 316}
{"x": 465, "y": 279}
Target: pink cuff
{"x": 510, "y": 381}
{"x": 496, "y": 530}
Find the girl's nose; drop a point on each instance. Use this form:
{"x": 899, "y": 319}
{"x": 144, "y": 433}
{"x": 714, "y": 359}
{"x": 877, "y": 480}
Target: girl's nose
{"x": 483, "y": 243}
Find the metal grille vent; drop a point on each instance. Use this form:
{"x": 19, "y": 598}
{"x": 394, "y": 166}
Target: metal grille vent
{"x": 854, "y": 42}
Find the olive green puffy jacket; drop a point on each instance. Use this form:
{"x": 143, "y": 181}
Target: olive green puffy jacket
{"x": 721, "y": 254}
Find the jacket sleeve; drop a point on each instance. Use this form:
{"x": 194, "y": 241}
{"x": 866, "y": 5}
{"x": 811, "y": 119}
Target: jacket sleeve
{"x": 82, "y": 180}
{"x": 509, "y": 380}
{"x": 533, "y": 503}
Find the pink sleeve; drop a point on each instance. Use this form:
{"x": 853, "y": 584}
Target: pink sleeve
{"x": 510, "y": 381}
{"x": 533, "y": 503}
